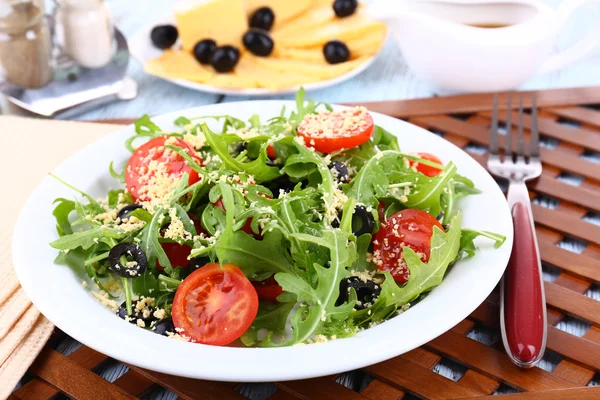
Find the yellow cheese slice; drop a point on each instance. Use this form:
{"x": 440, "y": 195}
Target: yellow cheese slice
{"x": 363, "y": 46}
{"x": 224, "y": 21}
{"x": 343, "y": 29}
{"x": 304, "y": 23}
{"x": 316, "y": 71}
{"x": 177, "y": 64}
{"x": 284, "y": 10}
{"x": 249, "y": 69}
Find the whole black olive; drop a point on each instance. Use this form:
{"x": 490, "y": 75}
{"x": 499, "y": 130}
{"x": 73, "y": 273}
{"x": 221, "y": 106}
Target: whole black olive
{"x": 163, "y": 326}
{"x": 362, "y": 221}
{"x": 196, "y": 263}
{"x": 341, "y": 171}
{"x": 203, "y": 50}
{"x": 124, "y": 212}
{"x": 263, "y": 18}
{"x": 366, "y": 292}
{"x": 336, "y": 51}
{"x": 225, "y": 58}
{"x": 132, "y": 269}
{"x": 258, "y": 42}
{"x": 164, "y": 36}
{"x": 344, "y": 8}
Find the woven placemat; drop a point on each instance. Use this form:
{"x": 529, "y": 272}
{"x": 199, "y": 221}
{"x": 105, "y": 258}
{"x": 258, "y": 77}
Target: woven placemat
{"x": 566, "y": 198}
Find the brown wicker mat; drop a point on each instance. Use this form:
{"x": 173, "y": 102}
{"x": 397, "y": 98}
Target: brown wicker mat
{"x": 568, "y": 203}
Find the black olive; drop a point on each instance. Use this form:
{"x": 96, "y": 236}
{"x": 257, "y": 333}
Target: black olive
{"x": 225, "y": 58}
{"x": 241, "y": 146}
{"x": 258, "y": 42}
{"x": 263, "y": 18}
{"x": 362, "y": 221}
{"x": 342, "y": 175}
{"x": 164, "y": 36}
{"x": 196, "y": 263}
{"x": 344, "y": 8}
{"x": 163, "y": 326}
{"x": 366, "y": 292}
{"x": 122, "y": 313}
{"x": 203, "y": 50}
{"x": 124, "y": 212}
{"x": 128, "y": 250}
{"x": 336, "y": 51}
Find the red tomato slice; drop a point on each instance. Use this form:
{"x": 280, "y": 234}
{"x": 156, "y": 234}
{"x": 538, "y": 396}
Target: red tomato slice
{"x": 268, "y": 289}
{"x": 176, "y": 253}
{"x": 141, "y": 170}
{"x": 411, "y": 228}
{"x": 214, "y": 305}
{"x": 426, "y": 169}
{"x": 332, "y": 131}
{"x": 271, "y": 152}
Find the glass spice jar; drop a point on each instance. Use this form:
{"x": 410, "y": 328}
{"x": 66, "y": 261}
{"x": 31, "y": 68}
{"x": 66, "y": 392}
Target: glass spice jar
{"x": 25, "y": 43}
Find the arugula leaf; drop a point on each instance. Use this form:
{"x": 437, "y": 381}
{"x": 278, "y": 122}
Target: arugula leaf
{"x": 372, "y": 181}
{"x": 86, "y": 239}
{"x": 467, "y": 246}
{"x": 307, "y": 321}
{"x": 119, "y": 176}
{"x": 61, "y": 212}
{"x": 257, "y": 168}
{"x": 384, "y": 140}
{"x": 228, "y": 121}
{"x": 145, "y": 285}
{"x": 149, "y": 241}
{"x": 182, "y": 121}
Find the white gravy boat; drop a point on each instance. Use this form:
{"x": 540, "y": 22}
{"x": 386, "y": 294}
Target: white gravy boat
{"x": 441, "y": 45}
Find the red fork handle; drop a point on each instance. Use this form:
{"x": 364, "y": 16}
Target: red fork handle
{"x": 523, "y": 316}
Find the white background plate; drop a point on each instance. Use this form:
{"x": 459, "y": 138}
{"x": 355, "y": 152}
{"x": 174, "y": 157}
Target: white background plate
{"x": 141, "y": 49}
{"x": 57, "y": 292}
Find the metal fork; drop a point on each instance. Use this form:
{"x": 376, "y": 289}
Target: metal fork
{"x": 522, "y": 299}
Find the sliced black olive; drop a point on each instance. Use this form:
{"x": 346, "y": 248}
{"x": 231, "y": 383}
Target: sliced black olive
{"x": 225, "y": 58}
{"x": 203, "y": 50}
{"x": 336, "y": 51}
{"x": 366, "y": 292}
{"x": 342, "y": 175}
{"x": 263, "y": 18}
{"x": 164, "y": 36}
{"x": 122, "y": 313}
{"x": 362, "y": 221}
{"x": 258, "y": 42}
{"x": 163, "y": 326}
{"x": 196, "y": 263}
{"x": 344, "y": 8}
{"x": 124, "y": 212}
{"x": 129, "y": 250}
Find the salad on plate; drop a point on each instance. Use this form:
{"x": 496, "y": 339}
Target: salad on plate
{"x": 309, "y": 226}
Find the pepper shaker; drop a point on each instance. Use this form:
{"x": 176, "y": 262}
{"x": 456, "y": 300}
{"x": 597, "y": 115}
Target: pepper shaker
{"x": 85, "y": 32}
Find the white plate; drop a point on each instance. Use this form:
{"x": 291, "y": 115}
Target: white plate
{"x": 141, "y": 49}
{"x": 56, "y": 290}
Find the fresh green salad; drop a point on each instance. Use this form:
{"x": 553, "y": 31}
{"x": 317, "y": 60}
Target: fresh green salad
{"x": 308, "y": 226}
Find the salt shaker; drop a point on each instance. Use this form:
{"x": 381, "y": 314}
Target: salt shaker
{"x": 85, "y": 31}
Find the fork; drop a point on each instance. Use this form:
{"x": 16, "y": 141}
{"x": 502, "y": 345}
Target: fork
{"x": 522, "y": 299}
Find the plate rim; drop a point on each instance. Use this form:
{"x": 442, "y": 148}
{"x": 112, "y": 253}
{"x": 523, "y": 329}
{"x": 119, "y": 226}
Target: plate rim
{"x": 239, "y": 374}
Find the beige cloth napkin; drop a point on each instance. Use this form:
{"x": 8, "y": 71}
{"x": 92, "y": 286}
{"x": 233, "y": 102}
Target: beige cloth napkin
{"x": 30, "y": 149}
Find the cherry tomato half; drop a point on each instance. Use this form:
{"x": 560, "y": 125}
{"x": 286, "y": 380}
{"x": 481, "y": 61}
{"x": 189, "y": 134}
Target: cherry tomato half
{"x": 214, "y": 305}
{"x": 140, "y": 168}
{"x": 332, "y": 131}
{"x": 426, "y": 169}
{"x": 268, "y": 289}
{"x": 407, "y": 228}
{"x": 271, "y": 152}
